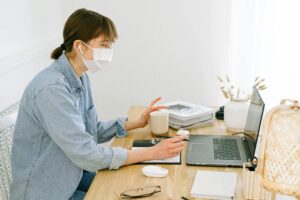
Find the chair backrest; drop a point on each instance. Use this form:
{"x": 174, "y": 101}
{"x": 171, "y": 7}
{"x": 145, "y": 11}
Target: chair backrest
{"x": 279, "y": 159}
{"x": 7, "y": 121}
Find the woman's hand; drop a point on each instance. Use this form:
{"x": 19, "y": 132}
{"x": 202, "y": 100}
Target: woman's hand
{"x": 144, "y": 118}
{"x": 167, "y": 148}
{"x": 142, "y": 121}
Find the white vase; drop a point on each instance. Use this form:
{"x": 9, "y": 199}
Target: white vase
{"x": 235, "y": 115}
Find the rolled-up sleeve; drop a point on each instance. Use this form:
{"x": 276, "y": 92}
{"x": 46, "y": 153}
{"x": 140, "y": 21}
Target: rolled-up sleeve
{"x": 63, "y": 122}
{"x": 108, "y": 129}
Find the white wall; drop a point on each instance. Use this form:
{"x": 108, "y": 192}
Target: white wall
{"x": 29, "y": 31}
{"x": 173, "y": 49}
{"x": 27, "y": 23}
{"x": 264, "y": 40}
{"x": 280, "y": 50}
{"x": 168, "y": 48}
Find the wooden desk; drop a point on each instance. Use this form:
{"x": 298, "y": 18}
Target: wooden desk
{"x": 179, "y": 181}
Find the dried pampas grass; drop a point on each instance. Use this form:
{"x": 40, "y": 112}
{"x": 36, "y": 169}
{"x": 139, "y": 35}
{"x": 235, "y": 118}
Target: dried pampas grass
{"x": 233, "y": 93}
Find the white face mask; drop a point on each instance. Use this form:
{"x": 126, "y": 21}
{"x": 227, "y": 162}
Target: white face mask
{"x": 102, "y": 57}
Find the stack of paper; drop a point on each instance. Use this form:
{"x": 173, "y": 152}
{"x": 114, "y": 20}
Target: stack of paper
{"x": 185, "y": 115}
{"x": 214, "y": 185}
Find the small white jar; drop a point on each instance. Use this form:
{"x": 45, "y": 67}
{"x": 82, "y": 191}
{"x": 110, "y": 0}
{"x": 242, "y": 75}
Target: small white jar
{"x": 235, "y": 115}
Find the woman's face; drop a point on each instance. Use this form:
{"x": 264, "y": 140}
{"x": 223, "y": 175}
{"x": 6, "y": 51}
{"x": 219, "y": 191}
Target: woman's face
{"x": 99, "y": 42}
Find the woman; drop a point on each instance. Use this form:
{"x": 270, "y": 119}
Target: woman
{"x": 57, "y": 130}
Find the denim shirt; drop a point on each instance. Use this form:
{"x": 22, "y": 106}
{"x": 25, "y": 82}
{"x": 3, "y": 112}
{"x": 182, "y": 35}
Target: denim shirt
{"x": 56, "y": 136}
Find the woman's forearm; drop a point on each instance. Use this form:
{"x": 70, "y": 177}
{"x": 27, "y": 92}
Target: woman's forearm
{"x": 139, "y": 155}
{"x": 165, "y": 149}
{"x": 130, "y": 125}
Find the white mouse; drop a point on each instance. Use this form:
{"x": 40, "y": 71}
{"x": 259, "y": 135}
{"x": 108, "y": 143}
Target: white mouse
{"x": 155, "y": 171}
{"x": 183, "y": 133}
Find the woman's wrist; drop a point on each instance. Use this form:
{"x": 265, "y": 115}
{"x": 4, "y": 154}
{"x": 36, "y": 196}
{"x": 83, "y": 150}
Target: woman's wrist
{"x": 140, "y": 155}
{"x": 140, "y": 123}
{"x": 130, "y": 125}
{"x": 151, "y": 153}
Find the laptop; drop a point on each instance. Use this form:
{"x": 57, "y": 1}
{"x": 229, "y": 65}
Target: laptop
{"x": 224, "y": 150}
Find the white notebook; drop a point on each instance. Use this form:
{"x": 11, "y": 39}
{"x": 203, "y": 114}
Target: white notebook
{"x": 214, "y": 185}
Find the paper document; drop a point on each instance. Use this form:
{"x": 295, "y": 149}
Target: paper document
{"x": 214, "y": 185}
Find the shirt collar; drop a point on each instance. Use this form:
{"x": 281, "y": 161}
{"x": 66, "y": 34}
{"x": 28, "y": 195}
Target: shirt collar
{"x": 67, "y": 70}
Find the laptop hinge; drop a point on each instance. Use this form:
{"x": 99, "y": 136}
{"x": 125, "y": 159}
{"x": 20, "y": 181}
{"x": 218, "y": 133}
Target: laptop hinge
{"x": 249, "y": 153}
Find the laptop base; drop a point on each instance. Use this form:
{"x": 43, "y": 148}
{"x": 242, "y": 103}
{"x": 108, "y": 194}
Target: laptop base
{"x": 202, "y": 151}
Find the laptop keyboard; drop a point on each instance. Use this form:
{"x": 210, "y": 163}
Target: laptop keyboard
{"x": 226, "y": 149}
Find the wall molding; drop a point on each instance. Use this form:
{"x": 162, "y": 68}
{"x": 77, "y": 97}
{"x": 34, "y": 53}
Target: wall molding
{"x": 15, "y": 60}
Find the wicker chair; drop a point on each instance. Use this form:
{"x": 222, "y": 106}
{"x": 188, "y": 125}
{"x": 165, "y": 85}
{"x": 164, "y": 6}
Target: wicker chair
{"x": 7, "y": 121}
{"x": 279, "y": 159}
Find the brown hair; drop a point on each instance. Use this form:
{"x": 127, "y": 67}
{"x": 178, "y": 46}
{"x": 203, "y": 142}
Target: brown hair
{"x": 85, "y": 25}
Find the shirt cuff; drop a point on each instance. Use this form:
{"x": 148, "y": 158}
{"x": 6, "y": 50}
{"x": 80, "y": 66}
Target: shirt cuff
{"x": 119, "y": 157}
{"x": 121, "y": 132}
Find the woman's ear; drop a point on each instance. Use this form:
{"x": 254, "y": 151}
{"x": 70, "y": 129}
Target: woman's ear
{"x": 77, "y": 45}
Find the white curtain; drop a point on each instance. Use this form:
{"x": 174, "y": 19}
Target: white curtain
{"x": 265, "y": 41}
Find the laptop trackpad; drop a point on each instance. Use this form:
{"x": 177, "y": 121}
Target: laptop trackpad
{"x": 200, "y": 150}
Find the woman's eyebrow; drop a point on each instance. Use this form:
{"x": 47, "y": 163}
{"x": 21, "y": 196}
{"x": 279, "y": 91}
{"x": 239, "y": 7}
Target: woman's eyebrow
{"x": 107, "y": 40}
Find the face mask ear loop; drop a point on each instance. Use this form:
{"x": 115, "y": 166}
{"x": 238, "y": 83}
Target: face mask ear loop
{"x": 87, "y": 46}
{"x": 81, "y": 52}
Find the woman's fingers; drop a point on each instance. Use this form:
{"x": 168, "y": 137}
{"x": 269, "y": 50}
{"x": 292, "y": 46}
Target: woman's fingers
{"x": 155, "y": 108}
{"x": 159, "y": 107}
{"x": 176, "y": 139}
{"x": 154, "y": 101}
{"x": 175, "y": 154}
{"x": 177, "y": 144}
{"x": 152, "y": 107}
{"x": 169, "y": 147}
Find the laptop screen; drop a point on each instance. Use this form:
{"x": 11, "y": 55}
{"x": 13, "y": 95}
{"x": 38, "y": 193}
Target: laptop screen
{"x": 255, "y": 114}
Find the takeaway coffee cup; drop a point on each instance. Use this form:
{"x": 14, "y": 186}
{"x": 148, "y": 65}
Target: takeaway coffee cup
{"x": 159, "y": 122}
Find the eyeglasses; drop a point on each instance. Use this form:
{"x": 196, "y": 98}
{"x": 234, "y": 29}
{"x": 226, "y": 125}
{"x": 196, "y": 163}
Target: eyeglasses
{"x": 141, "y": 192}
